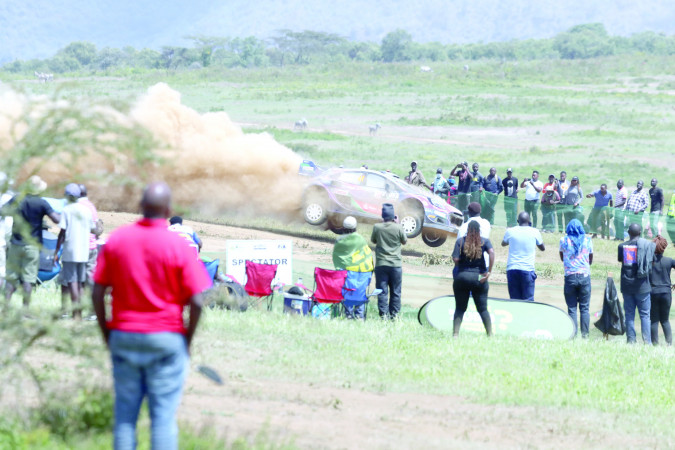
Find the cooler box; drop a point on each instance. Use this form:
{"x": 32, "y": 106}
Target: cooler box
{"x": 297, "y": 304}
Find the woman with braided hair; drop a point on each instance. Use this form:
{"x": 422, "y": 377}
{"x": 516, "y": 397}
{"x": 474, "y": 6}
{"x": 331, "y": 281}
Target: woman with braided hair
{"x": 661, "y": 295}
{"x": 471, "y": 276}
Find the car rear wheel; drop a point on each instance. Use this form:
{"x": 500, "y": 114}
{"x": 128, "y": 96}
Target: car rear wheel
{"x": 315, "y": 209}
{"x": 411, "y": 222}
{"x": 434, "y": 238}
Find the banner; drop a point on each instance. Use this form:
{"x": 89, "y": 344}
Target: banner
{"x": 509, "y": 318}
{"x": 278, "y": 252}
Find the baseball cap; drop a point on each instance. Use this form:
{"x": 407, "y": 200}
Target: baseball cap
{"x": 551, "y": 176}
{"x": 73, "y": 190}
{"x": 549, "y": 188}
{"x": 575, "y": 178}
{"x": 509, "y": 170}
{"x": 349, "y": 223}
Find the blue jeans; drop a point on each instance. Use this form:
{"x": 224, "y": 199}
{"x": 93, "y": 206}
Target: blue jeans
{"x": 578, "y": 292}
{"x": 389, "y": 280}
{"x": 643, "y": 303}
{"x": 155, "y": 365}
{"x": 521, "y": 284}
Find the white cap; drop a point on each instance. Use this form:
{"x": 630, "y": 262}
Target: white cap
{"x": 349, "y": 223}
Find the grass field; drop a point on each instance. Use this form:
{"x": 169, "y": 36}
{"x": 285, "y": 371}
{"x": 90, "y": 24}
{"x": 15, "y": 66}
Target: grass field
{"x": 599, "y": 119}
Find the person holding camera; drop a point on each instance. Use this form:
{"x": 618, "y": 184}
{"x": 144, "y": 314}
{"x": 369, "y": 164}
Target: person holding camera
{"x": 461, "y": 170}
{"x": 510, "y": 184}
{"x": 574, "y": 197}
{"x": 533, "y": 188}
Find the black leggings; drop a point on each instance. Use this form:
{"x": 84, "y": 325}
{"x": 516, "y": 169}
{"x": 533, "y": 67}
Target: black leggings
{"x": 466, "y": 283}
{"x": 660, "y": 313}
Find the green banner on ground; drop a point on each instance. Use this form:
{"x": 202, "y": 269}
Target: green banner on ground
{"x": 509, "y": 317}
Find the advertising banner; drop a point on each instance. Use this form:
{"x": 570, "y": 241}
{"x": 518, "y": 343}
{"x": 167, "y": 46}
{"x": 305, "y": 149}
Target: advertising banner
{"x": 509, "y": 317}
{"x": 278, "y": 252}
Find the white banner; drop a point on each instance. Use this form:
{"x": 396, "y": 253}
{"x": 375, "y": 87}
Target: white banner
{"x": 262, "y": 252}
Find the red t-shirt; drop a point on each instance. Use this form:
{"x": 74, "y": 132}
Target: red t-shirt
{"x": 153, "y": 273}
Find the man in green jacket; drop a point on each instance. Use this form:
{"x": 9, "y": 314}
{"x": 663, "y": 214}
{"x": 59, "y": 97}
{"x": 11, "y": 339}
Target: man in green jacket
{"x": 388, "y": 238}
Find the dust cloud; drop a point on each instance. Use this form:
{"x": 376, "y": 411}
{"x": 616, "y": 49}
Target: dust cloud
{"x": 211, "y": 165}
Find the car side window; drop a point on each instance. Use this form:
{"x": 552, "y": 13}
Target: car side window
{"x": 349, "y": 178}
{"x": 376, "y": 181}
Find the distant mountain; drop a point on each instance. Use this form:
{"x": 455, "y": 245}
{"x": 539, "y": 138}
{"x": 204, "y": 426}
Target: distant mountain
{"x": 38, "y": 28}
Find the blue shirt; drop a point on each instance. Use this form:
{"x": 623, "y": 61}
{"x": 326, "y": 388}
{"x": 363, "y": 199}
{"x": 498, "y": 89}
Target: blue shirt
{"x": 522, "y": 242}
{"x": 601, "y": 200}
{"x": 476, "y": 181}
{"x": 493, "y": 184}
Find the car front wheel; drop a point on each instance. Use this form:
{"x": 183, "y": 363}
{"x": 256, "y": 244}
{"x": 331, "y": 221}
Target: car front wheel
{"x": 411, "y": 223}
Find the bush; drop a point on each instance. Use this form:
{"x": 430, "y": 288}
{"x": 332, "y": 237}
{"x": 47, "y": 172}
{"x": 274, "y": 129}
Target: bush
{"x": 64, "y": 413}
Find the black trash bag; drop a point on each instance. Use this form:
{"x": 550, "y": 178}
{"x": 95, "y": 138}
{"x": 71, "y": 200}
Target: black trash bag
{"x": 612, "y": 320}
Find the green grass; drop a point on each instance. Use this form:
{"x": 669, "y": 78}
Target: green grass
{"x": 376, "y": 356}
{"x": 588, "y": 117}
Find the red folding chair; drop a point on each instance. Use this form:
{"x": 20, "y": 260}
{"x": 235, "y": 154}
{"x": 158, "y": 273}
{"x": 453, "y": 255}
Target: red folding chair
{"x": 259, "y": 278}
{"x": 328, "y": 286}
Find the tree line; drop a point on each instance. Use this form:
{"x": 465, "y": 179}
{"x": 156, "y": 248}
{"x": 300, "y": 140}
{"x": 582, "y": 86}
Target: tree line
{"x": 310, "y": 47}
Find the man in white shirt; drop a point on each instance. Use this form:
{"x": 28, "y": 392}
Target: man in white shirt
{"x": 176, "y": 225}
{"x": 520, "y": 273}
{"x": 5, "y": 226}
{"x": 76, "y": 224}
{"x": 619, "y": 213}
{"x": 474, "y": 216}
{"x": 533, "y": 188}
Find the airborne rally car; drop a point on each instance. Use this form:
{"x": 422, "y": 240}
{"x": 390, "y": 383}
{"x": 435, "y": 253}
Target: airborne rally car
{"x": 336, "y": 193}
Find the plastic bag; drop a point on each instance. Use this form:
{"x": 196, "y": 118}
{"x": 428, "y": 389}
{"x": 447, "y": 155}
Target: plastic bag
{"x": 612, "y": 320}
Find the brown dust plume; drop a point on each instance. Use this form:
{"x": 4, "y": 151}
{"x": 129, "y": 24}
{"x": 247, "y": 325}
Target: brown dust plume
{"x": 211, "y": 165}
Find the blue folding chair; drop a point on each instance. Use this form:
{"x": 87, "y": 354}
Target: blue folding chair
{"x": 48, "y": 269}
{"x": 355, "y": 294}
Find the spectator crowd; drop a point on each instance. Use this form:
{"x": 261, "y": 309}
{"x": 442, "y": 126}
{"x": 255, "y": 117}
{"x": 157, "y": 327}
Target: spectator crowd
{"x": 554, "y": 202}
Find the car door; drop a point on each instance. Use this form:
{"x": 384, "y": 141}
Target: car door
{"x": 345, "y": 186}
{"x": 377, "y": 190}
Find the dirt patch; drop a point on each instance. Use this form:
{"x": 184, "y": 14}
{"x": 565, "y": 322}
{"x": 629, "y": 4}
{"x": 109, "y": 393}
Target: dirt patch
{"x": 324, "y": 417}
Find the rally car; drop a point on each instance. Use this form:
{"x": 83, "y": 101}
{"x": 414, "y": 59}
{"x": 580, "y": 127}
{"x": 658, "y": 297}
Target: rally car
{"x": 336, "y": 193}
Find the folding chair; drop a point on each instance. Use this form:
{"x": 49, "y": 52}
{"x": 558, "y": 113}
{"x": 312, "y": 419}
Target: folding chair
{"x": 47, "y": 269}
{"x": 355, "y": 294}
{"x": 259, "y": 278}
{"x": 328, "y": 286}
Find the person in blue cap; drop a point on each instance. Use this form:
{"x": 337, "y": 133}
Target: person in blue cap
{"x": 76, "y": 224}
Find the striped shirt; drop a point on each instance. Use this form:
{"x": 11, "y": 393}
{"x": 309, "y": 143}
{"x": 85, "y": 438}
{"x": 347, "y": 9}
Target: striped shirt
{"x": 620, "y": 197}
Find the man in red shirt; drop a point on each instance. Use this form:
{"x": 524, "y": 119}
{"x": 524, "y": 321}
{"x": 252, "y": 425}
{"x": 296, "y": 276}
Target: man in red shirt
{"x": 153, "y": 275}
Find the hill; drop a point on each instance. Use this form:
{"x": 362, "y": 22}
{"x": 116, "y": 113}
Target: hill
{"x": 37, "y": 29}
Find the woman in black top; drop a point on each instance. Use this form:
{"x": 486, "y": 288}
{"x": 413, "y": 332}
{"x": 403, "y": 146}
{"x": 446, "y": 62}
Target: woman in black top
{"x": 661, "y": 292}
{"x": 471, "y": 276}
